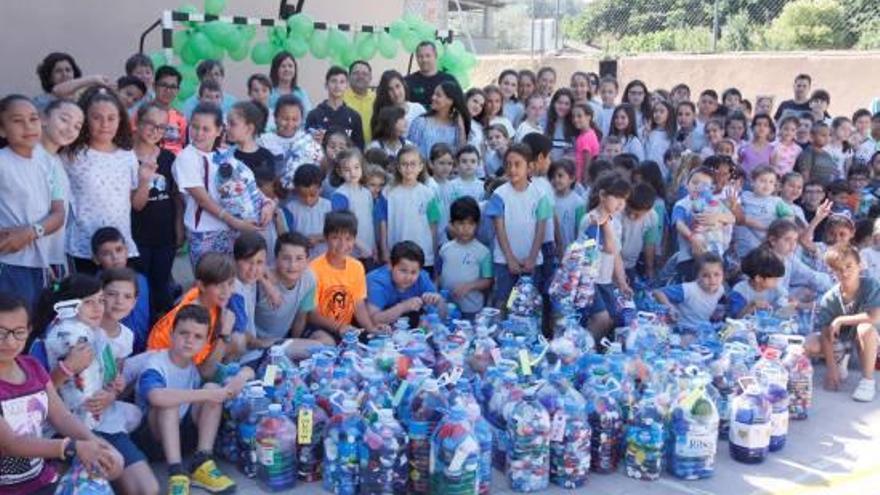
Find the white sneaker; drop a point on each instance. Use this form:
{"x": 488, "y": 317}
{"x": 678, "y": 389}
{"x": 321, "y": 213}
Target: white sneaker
{"x": 843, "y": 367}
{"x": 864, "y": 391}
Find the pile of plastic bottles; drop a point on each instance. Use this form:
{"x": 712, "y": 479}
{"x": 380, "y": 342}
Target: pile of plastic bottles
{"x": 574, "y": 284}
{"x": 432, "y": 409}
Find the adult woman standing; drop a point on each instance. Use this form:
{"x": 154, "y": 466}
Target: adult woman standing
{"x": 283, "y": 73}
{"x": 61, "y": 77}
{"x": 447, "y": 122}
{"x": 392, "y": 91}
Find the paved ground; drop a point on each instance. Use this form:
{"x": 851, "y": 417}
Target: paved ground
{"x": 833, "y": 453}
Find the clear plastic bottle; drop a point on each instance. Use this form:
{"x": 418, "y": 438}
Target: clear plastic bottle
{"x": 311, "y": 426}
{"x": 427, "y": 409}
{"x": 800, "y": 380}
{"x": 528, "y": 457}
{"x": 525, "y": 299}
{"x": 455, "y": 455}
{"x": 606, "y": 422}
{"x": 276, "y": 443}
{"x": 463, "y": 396}
{"x": 773, "y": 377}
{"x": 384, "y": 466}
{"x": 693, "y": 432}
{"x": 750, "y": 426}
{"x": 257, "y": 407}
{"x": 570, "y": 432}
{"x": 645, "y": 437}
{"x": 341, "y": 450}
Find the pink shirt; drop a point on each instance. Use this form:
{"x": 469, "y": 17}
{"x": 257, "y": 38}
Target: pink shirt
{"x": 785, "y": 157}
{"x": 25, "y": 407}
{"x": 751, "y": 157}
{"x": 586, "y": 141}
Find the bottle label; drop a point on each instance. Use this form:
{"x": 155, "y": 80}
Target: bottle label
{"x": 269, "y": 375}
{"x": 698, "y": 442}
{"x": 755, "y": 436}
{"x": 525, "y": 362}
{"x": 557, "y": 427}
{"x": 398, "y": 396}
{"x": 779, "y": 423}
{"x": 304, "y": 427}
{"x": 267, "y": 455}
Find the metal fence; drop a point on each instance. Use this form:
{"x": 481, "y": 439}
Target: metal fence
{"x": 639, "y": 26}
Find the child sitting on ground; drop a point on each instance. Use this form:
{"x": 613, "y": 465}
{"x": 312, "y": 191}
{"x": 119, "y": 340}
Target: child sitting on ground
{"x": 402, "y": 289}
{"x": 762, "y": 290}
{"x": 694, "y": 303}
{"x": 296, "y": 286}
{"x": 176, "y": 404}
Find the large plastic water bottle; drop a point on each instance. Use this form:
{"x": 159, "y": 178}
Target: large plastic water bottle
{"x": 606, "y": 422}
{"x": 569, "y": 431}
{"x": 276, "y": 442}
{"x": 463, "y": 396}
{"x": 455, "y": 455}
{"x": 644, "y": 439}
{"x": 384, "y": 467}
{"x": 257, "y": 407}
{"x": 525, "y": 299}
{"x": 311, "y": 425}
{"x": 528, "y": 456}
{"x": 427, "y": 409}
{"x": 341, "y": 450}
{"x": 800, "y": 380}
{"x": 750, "y": 426}
{"x": 693, "y": 431}
{"x": 773, "y": 377}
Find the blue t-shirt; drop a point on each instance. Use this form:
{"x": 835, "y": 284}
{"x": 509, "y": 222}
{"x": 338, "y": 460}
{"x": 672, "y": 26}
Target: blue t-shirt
{"x": 382, "y": 293}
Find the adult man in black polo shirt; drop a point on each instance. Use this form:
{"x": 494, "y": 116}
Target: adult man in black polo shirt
{"x": 421, "y": 84}
{"x": 801, "y": 101}
{"x": 333, "y": 112}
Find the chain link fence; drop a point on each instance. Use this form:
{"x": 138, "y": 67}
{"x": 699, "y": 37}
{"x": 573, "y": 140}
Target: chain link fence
{"x": 617, "y": 27}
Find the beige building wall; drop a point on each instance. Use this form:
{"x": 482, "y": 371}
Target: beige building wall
{"x": 851, "y": 77}
{"x": 101, "y": 34}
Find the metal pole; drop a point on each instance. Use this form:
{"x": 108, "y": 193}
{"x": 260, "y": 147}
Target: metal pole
{"x": 556, "y": 44}
{"x": 715, "y": 27}
{"x": 543, "y": 32}
{"x": 534, "y": 12}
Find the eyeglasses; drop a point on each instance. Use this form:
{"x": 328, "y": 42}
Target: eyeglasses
{"x": 410, "y": 164}
{"x": 167, "y": 86}
{"x": 152, "y": 126}
{"x": 18, "y": 334}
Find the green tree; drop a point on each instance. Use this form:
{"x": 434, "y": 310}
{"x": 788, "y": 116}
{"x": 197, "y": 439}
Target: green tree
{"x": 810, "y": 25}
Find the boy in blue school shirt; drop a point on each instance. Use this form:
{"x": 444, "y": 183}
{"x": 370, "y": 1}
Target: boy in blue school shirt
{"x": 402, "y": 288}
{"x": 109, "y": 251}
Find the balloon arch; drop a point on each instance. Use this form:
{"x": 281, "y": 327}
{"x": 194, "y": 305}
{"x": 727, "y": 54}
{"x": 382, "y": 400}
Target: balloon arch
{"x": 213, "y": 35}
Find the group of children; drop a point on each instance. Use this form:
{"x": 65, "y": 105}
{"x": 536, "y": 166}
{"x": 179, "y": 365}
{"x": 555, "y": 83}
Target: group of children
{"x": 299, "y": 230}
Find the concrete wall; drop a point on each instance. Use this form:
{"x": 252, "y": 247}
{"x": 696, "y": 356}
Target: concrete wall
{"x": 850, "y": 77}
{"x": 101, "y": 34}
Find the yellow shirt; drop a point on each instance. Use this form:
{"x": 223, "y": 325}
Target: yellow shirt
{"x": 363, "y": 105}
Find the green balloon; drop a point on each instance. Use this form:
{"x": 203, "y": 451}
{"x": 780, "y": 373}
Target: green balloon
{"x": 215, "y": 7}
{"x": 201, "y": 45}
{"x": 262, "y": 53}
{"x": 469, "y": 60}
{"x": 297, "y": 46}
{"x": 366, "y": 46}
{"x": 178, "y": 40}
{"x": 188, "y": 53}
{"x": 338, "y": 42}
{"x": 387, "y": 45}
{"x": 278, "y": 34}
{"x": 301, "y": 25}
{"x": 240, "y": 52}
{"x": 410, "y": 41}
{"x": 398, "y": 28}
{"x": 187, "y": 88}
{"x": 159, "y": 59}
{"x": 318, "y": 44}
{"x": 247, "y": 32}
{"x": 218, "y": 32}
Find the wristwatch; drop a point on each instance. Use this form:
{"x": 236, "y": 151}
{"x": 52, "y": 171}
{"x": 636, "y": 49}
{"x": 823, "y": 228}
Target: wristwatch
{"x": 39, "y": 230}
{"x": 70, "y": 450}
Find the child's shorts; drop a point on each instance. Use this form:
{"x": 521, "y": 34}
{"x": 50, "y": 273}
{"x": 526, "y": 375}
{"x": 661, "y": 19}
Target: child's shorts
{"x": 189, "y": 438}
{"x": 122, "y": 442}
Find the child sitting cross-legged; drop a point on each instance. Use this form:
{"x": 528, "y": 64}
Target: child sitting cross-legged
{"x": 402, "y": 288}
{"x": 176, "y": 404}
